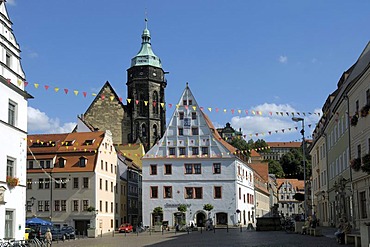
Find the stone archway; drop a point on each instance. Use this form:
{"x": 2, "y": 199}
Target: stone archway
{"x": 200, "y": 219}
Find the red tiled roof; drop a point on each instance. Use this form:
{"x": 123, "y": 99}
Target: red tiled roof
{"x": 298, "y": 184}
{"x": 284, "y": 144}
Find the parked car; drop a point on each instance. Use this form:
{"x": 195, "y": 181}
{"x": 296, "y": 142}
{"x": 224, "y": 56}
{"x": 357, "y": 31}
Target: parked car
{"x": 70, "y": 232}
{"x": 38, "y": 231}
{"x": 27, "y": 231}
{"x": 127, "y": 227}
{"x": 58, "y": 234}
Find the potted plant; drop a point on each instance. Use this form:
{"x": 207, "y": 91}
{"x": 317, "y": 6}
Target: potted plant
{"x": 356, "y": 164}
{"x": 354, "y": 120}
{"x": 12, "y": 181}
{"x": 158, "y": 214}
{"x": 365, "y": 110}
{"x": 366, "y": 163}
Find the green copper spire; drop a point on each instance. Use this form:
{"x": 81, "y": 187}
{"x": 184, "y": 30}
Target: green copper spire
{"x": 146, "y": 55}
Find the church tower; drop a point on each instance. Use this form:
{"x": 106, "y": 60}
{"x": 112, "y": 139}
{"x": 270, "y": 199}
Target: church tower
{"x": 146, "y": 84}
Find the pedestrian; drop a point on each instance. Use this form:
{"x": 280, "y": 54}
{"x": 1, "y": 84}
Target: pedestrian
{"x": 48, "y": 238}
{"x": 314, "y": 220}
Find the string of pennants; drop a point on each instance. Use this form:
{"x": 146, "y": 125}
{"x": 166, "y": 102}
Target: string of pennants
{"x": 170, "y": 105}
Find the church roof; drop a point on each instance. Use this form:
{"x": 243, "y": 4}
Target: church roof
{"x": 146, "y": 55}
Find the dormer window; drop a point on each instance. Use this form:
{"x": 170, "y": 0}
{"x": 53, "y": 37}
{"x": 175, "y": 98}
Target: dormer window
{"x": 185, "y": 102}
{"x": 181, "y": 115}
{"x": 88, "y": 142}
{"x": 82, "y": 162}
{"x": 61, "y": 162}
{"x": 68, "y": 143}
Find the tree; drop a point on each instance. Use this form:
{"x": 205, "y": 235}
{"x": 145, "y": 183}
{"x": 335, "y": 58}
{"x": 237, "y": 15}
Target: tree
{"x": 292, "y": 163}
{"x": 276, "y": 168}
{"x": 208, "y": 207}
{"x": 182, "y": 208}
{"x": 158, "y": 211}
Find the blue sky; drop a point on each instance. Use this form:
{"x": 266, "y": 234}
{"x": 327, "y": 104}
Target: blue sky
{"x": 267, "y": 56}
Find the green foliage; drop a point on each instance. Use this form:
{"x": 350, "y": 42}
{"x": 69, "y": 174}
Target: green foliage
{"x": 182, "y": 208}
{"x": 158, "y": 211}
{"x": 276, "y": 168}
{"x": 208, "y": 207}
{"x": 90, "y": 209}
{"x": 292, "y": 164}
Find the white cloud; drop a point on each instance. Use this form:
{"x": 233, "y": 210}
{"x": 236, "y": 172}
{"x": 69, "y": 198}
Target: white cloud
{"x": 11, "y": 2}
{"x": 40, "y": 123}
{"x": 283, "y": 59}
{"x": 273, "y": 121}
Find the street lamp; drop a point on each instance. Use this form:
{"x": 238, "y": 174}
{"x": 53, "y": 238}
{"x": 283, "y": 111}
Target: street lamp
{"x": 298, "y": 119}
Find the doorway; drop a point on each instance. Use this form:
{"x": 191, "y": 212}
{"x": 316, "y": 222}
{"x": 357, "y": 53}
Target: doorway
{"x": 81, "y": 227}
{"x": 201, "y": 219}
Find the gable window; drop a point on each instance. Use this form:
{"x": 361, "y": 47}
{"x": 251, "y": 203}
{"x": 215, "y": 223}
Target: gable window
{"x": 82, "y": 162}
{"x": 195, "y": 150}
{"x": 171, "y": 151}
{"x": 190, "y": 102}
{"x": 217, "y": 168}
{"x": 193, "y": 115}
{"x": 185, "y": 102}
{"x": 181, "y": 131}
{"x": 12, "y": 113}
{"x": 8, "y": 60}
{"x": 88, "y": 142}
{"x": 194, "y": 131}
{"x": 181, "y": 115}
{"x": 167, "y": 192}
{"x": 167, "y": 169}
{"x": 153, "y": 169}
{"x": 154, "y": 191}
{"x": 204, "y": 150}
{"x": 61, "y": 162}
{"x": 181, "y": 150}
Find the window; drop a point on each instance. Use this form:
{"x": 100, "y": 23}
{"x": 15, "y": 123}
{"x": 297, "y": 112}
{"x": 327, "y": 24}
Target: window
{"x": 47, "y": 183}
{"x": 63, "y": 182}
{"x": 101, "y": 206}
{"x": 29, "y": 183}
{"x": 82, "y": 162}
{"x": 171, "y": 151}
{"x": 193, "y": 115}
{"x": 101, "y": 184}
{"x": 102, "y": 165}
{"x": 10, "y": 167}
{"x": 204, "y": 150}
{"x": 240, "y": 193}
{"x": 167, "y": 192}
{"x": 217, "y": 168}
{"x": 12, "y": 113}
{"x": 106, "y": 166}
{"x": 185, "y": 102}
{"x": 57, "y": 183}
{"x": 85, "y": 182}
{"x": 56, "y": 205}
{"x": 111, "y": 210}
{"x": 181, "y": 131}
{"x": 167, "y": 169}
{"x": 363, "y": 212}
{"x": 61, "y": 162}
{"x": 40, "y": 206}
{"x": 75, "y": 183}
{"x": 48, "y": 162}
{"x": 193, "y": 168}
{"x": 106, "y": 206}
{"x": 64, "y": 205}
{"x": 195, "y": 150}
{"x": 153, "y": 192}
{"x": 153, "y": 169}
{"x": 181, "y": 115}
{"x": 182, "y": 151}
{"x": 194, "y": 131}
{"x": 368, "y": 97}
{"x": 75, "y": 206}
{"x": 85, "y": 205}
{"x": 190, "y": 102}
{"x": 47, "y": 206}
{"x": 30, "y": 164}
{"x": 193, "y": 192}
{"x": 357, "y": 106}
{"x": 217, "y": 192}
{"x": 359, "y": 151}
{"x": 106, "y": 185}
{"x": 197, "y": 169}
{"x": 111, "y": 186}
{"x": 8, "y": 59}
{"x": 9, "y": 224}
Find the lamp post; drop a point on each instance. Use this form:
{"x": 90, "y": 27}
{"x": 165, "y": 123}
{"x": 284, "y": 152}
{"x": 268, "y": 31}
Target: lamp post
{"x": 298, "y": 119}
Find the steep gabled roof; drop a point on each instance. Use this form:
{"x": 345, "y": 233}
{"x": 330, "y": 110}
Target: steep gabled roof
{"x": 297, "y": 184}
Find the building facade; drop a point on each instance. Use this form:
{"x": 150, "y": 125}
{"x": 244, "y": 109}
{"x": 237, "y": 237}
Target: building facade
{"x": 287, "y": 188}
{"x": 340, "y": 147}
{"x": 192, "y": 165}
{"x": 13, "y": 130}
{"x": 72, "y": 180}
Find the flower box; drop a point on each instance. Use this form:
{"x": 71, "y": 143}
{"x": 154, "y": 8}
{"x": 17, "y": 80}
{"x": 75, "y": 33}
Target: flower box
{"x": 356, "y": 164}
{"x": 354, "y": 120}
{"x": 12, "y": 181}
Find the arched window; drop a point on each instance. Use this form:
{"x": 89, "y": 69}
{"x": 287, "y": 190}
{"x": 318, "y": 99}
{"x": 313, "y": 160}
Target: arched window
{"x": 137, "y": 130}
{"x": 155, "y": 102}
{"x": 143, "y": 130}
{"x": 155, "y": 130}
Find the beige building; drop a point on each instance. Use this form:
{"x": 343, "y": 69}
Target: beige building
{"x": 287, "y": 188}
{"x": 277, "y": 149}
{"x": 72, "y": 179}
